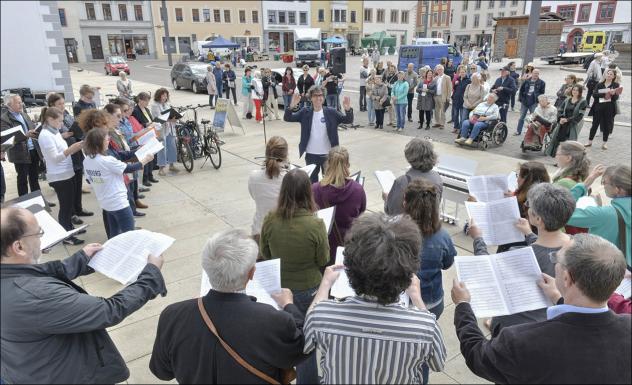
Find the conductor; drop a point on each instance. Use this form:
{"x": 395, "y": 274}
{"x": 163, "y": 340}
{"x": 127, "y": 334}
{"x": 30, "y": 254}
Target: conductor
{"x": 319, "y": 127}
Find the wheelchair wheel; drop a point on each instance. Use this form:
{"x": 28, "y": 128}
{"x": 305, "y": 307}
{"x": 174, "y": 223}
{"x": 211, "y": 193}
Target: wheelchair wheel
{"x": 484, "y": 144}
{"x": 499, "y": 134}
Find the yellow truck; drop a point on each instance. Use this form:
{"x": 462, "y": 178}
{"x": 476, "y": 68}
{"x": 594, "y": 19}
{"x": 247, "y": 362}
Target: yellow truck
{"x": 593, "y": 41}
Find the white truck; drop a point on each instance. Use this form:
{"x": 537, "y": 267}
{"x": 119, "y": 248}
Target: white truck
{"x": 307, "y": 46}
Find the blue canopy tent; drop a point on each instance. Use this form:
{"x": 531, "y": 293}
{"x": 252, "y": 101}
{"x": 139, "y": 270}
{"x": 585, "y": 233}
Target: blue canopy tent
{"x": 220, "y": 42}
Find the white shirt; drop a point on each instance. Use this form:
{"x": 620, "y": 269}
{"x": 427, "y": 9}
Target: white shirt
{"x": 439, "y": 80}
{"x": 318, "y": 140}
{"x": 257, "y": 92}
{"x": 105, "y": 175}
{"x": 58, "y": 166}
{"x": 265, "y": 192}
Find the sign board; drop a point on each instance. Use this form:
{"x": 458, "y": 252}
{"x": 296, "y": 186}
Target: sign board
{"x": 224, "y": 109}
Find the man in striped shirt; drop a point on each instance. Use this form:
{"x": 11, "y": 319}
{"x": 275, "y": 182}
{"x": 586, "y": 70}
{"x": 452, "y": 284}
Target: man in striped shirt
{"x": 371, "y": 338}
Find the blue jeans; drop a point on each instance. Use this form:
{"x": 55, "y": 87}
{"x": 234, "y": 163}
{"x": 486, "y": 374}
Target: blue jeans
{"x": 168, "y": 154}
{"x": 523, "y": 113}
{"x": 287, "y": 99}
{"x": 466, "y": 126}
{"x": 400, "y": 112}
{"x": 120, "y": 221}
{"x": 332, "y": 101}
{"x": 457, "y": 116}
{"x": 306, "y": 371}
{"x": 437, "y": 311}
{"x": 371, "y": 110}
{"x": 465, "y": 114}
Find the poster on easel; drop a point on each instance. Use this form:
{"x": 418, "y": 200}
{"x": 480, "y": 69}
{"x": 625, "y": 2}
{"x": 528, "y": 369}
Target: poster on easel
{"x": 223, "y": 110}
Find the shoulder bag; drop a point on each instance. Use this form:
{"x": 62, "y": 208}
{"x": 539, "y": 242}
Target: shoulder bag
{"x": 287, "y": 375}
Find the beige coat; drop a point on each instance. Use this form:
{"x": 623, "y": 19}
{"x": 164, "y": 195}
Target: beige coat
{"x": 211, "y": 86}
{"x": 473, "y": 96}
{"x": 446, "y": 88}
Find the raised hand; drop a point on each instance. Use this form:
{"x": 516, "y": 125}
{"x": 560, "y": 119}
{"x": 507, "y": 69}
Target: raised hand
{"x": 296, "y": 98}
{"x": 346, "y": 103}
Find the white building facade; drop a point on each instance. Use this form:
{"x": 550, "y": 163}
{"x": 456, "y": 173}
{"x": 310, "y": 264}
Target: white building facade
{"x": 280, "y": 19}
{"x": 396, "y": 18}
{"x": 471, "y": 22}
{"x": 611, "y": 17}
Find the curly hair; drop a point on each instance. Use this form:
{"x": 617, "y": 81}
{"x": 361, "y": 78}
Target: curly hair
{"x": 422, "y": 204}
{"x": 420, "y": 154}
{"x": 92, "y": 118}
{"x": 158, "y": 94}
{"x": 381, "y": 255}
{"x": 531, "y": 173}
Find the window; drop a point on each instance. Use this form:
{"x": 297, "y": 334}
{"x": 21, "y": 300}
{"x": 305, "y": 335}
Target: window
{"x": 272, "y": 17}
{"x": 138, "y": 12}
{"x": 545, "y": 9}
{"x": 491, "y": 4}
{"x": 122, "y": 12}
{"x": 463, "y": 21}
{"x": 501, "y": 14}
{"x": 513, "y": 13}
{"x": 206, "y": 13}
{"x": 321, "y": 15}
{"x": 352, "y": 16}
{"x": 242, "y": 16}
{"x": 464, "y": 5}
{"x": 567, "y": 12}
{"x": 503, "y": 3}
{"x": 195, "y": 15}
{"x": 394, "y": 17}
{"x": 291, "y": 17}
{"x": 302, "y": 18}
{"x": 184, "y": 44}
{"x": 171, "y": 46}
{"x": 476, "y": 20}
{"x": 255, "y": 17}
{"x": 227, "y": 16}
{"x": 62, "y": 17}
{"x": 282, "y": 17}
{"x": 405, "y": 17}
{"x": 368, "y": 15}
{"x": 489, "y": 19}
{"x": 179, "y": 16}
{"x": 605, "y": 12}
{"x": 380, "y": 15}
{"x": 162, "y": 14}
{"x": 435, "y": 18}
{"x": 514, "y": 3}
{"x": 343, "y": 15}
{"x": 193, "y": 37}
{"x": 107, "y": 12}
{"x": 90, "y": 11}
{"x": 477, "y": 4}
{"x": 512, "y": 33}
{"x": 217, "y": 16}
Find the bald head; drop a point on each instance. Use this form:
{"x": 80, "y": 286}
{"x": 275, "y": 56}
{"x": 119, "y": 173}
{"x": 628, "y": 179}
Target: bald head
{"x": 18, "y": 229}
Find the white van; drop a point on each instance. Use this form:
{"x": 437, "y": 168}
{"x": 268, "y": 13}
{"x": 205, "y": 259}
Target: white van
{"x": 427, "y": 41}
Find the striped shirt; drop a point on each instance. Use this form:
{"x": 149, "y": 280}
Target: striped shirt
{"x": 364, "y": 342}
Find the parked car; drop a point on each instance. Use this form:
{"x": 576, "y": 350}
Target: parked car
{"x": 278, "y": 76}
{"x": 115, "y": 64}
{"x": 189, "y": 75}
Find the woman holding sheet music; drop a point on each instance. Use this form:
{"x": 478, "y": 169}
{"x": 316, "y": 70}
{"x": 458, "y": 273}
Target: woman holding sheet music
{"x": 337, "y": 189}
{"x": 142, "y": 114}
{"x": 60, "y": 173}
{"x": 168, "y": 134}
{"x": 606, "y": 95}
{"x": 105, "y": 174}
{"x": 549, "y": 207}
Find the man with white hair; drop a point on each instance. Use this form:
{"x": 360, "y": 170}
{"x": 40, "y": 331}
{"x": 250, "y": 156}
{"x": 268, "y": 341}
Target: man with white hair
{"x": 442, "y": 95}
{"x": 593, "y": 75}
{"x": 479, "y": 120}
{"x": 23, "y": 154}
{"x": 265, "y": 338}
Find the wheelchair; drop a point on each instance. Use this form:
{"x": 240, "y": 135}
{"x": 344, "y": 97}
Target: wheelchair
{"x": 546, "y": 139}
{"x": 495, "y": 133}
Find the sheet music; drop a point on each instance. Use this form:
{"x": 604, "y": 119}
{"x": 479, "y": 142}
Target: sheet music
{"x": 13, "y": 130}
{"x": 327, "y": 215}
{"x": 585, "y": 202}
{"x": 625, "y": 288}
{"x": 266, "y": 280}
{"x": 512, "y": 181}
{"x": 497, "y": 220}
{"x": 53, "y": 231}
{"x": 385, "y": 178}
{"x": 502, "y": 284}
{"x": 152, "y": 147}
{"x": 487, "y": 188}
{"x": 146, "y": 137}
{"x": 125, "y": 256}
{"x": 164, "y": 117}
{"x": 28, "y": 200}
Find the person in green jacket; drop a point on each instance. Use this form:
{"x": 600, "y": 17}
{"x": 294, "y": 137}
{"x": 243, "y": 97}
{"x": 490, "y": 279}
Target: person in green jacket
{"x": 604, "y": 220}
{"x": 246, "y": 81}
{"x": 293, "y": 233}
{"x": 400, "y": 99}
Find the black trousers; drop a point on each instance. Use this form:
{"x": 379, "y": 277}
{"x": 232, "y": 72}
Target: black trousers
{"x": 211, "y": 100}
{"x": 410, "y": 97}
{"x": 148, "y": 170}
{"x": 106, "y": 224}
{"x": 319, "y": 160}
{"x": 228, "y": 89}
{"x": 605, "y": 119}
{"x": 379, "y": 117}
{"x": 427, "y": 114}
{"x": 78, "y": 204}
{"x": 28, "y": 174}
{"x": 65, "y": 190}
{"x": 362, "y": 98}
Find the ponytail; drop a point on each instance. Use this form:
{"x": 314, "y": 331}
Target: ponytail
{"x": 276, "y": 155}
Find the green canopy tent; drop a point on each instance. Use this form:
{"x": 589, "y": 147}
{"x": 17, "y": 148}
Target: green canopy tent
{"x": 381, "y": 39}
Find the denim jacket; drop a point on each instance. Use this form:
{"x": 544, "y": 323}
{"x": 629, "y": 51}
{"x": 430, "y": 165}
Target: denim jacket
{"x": 437, "y": 254}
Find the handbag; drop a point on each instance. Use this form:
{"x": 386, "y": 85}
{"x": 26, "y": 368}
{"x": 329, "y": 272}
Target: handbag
{"x": 287, "y": 375}
{"x": 474, "y": 119}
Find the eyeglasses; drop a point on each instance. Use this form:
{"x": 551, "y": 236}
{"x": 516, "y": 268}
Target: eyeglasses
{"x": 39, "y": 234}
{"x": 317, "y": 95}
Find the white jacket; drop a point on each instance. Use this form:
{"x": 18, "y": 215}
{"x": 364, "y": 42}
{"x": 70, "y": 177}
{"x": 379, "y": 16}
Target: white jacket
{"x": 58, "y": 166}
{"x": 257, "y": 92}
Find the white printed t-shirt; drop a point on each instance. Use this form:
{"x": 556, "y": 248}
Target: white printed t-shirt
{"x": 318, "y": 143}
{"x": 105, "y": 175}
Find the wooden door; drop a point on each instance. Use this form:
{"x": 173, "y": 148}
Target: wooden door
{"x": 511, "y": 48}
{"x": 96, "y": 47}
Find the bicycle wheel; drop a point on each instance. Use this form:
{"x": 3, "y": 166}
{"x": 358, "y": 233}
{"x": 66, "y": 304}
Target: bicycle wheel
{"x": 214, "y": 151}
{"x": 185, "y": 155}
{"x": 197, "y": 145}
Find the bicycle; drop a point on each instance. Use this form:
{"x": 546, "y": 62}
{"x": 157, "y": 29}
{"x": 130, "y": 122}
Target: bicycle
{"x": 211, "y": 145}
{"x": 196, "y": 137}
